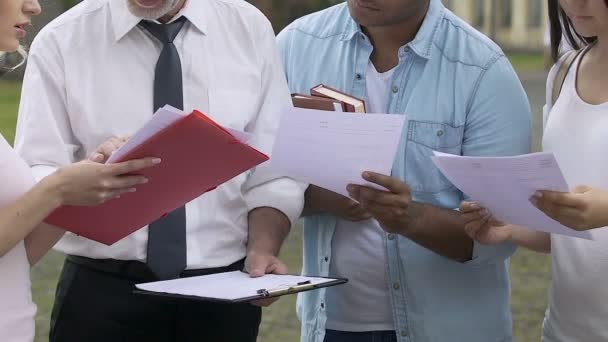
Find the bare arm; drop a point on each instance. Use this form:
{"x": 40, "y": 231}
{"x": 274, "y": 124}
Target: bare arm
{"x": 85, "y": 183}
{"x": 21, "y": 217}
{"x": 41, "y": 240}
{"x": 440, "y": 230}
{"x": 481, "y": 226}
{"x": 537, "y": 241}
{"x": 268, "y": 228}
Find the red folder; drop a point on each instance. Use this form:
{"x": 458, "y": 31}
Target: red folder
{"x": 197, "y": 156}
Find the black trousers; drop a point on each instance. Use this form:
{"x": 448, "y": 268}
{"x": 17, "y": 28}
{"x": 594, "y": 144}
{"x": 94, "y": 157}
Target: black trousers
{"x": 94, "y": 303}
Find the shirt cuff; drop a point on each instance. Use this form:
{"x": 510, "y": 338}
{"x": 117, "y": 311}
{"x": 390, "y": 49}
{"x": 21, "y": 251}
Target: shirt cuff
{"x": 42, "y": 171}
{"x": 487, "y": 254}
{"x": 283, "y": 194}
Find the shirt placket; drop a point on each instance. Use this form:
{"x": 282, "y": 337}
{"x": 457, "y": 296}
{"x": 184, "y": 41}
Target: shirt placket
{"x": 399, "y": 96}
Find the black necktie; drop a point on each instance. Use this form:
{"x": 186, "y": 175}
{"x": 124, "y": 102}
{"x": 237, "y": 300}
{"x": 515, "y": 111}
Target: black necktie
{"x": 167, "y": 236}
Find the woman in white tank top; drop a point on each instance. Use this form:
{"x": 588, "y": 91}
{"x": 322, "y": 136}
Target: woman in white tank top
{"x": 576, "y": 131}
{"x": 24, "y": 204}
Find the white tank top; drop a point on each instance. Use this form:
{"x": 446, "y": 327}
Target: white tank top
{"x": 577, "y": 133}
{"x": 17, "y": 311}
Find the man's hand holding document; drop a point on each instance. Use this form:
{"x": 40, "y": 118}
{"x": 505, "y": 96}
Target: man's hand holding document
{"x": 506, "y": 187}
{"x": 333, "y": 149}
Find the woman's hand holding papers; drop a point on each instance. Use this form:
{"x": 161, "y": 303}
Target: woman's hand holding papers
{"x": 482, "y": 227}
{"x": 88, "y": 183}
{"x": 583, "y": 209}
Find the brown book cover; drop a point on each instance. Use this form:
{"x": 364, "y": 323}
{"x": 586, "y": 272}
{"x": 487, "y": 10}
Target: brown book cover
{"x": 352, "y": 104}
{"x": 316, "y": 102}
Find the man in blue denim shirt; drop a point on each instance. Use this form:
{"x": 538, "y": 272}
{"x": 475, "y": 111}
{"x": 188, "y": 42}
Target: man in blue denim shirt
{"x": 414, "y": 275}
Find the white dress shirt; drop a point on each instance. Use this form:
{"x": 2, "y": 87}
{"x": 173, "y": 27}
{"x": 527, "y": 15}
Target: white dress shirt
{"x": 17, "y": 311}
{"x": 90, "y": 77}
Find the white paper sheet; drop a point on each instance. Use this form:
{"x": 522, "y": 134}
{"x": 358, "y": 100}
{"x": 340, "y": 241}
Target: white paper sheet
{"x": 228, "y": 286}
{"x": 162, "y": 119}
{"x": 504, "y": 186}
{"x": 332, "y": 149}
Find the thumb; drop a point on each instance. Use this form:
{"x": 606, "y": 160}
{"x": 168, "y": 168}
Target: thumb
{"x": 581, "y": 189}
{"x": 97, "y": 158}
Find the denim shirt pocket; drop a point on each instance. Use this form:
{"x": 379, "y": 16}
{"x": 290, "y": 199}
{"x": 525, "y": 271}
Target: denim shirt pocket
{"x": 422, "y": 139}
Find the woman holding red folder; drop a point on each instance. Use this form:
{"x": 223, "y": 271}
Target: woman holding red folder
{"x": 23, "y": 205}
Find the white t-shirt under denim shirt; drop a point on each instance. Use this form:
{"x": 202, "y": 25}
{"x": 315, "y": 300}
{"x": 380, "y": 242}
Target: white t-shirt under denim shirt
{"x": 17, "y": 311}
{"x": 359, "y": 252}
{"x": 577, "y": 133}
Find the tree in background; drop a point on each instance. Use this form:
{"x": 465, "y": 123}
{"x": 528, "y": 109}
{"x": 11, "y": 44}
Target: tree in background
{"x": 283, "y": 12}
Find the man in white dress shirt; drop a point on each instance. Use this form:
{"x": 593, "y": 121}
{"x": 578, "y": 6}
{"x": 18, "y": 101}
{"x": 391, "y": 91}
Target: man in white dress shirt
{"x": 101, "y": 70}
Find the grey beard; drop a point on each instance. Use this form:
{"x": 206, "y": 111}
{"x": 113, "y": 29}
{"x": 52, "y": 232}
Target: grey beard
{"x": 151, "y": 14}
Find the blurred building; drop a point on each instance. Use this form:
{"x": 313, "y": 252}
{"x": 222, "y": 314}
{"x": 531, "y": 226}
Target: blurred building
{"x": 514, "y": 24}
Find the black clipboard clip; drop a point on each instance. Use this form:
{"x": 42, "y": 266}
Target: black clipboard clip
{"x": 286, "y": 289}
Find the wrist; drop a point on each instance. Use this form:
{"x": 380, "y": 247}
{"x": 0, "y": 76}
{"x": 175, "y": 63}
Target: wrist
{"x": 415, "y": 215}
{"x": 260, "y": 251}
{"x": 313, "y": 199}
{"x": 268, "y": 228}
{"x": 515, "y": 234}
{"x": 51, "y": 189}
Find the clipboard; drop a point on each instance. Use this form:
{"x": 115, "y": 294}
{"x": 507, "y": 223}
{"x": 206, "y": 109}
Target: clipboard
{"x": 260, "y": 293}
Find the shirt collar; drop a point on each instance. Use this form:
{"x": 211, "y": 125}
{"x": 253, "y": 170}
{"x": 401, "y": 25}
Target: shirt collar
{"x": 124, "y": 21}
{"x": 423, "y": 41}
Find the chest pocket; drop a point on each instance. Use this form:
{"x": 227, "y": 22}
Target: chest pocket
{"x": 234, "y": 108}
{"x": 423, "y": 138}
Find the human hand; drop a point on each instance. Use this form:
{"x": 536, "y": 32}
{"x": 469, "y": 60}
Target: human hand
{"x": 88, "y": 183}
{"x": 583, "y": 209}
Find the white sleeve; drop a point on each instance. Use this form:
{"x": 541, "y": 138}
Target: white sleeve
{"x": 263, "y": 188}
{"x": 44, "y": 137}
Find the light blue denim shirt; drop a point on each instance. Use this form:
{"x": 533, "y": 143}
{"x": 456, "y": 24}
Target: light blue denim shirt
{"x": 462, "y": 97}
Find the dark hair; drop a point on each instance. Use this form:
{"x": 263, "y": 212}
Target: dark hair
{"x": 561, "y": 28}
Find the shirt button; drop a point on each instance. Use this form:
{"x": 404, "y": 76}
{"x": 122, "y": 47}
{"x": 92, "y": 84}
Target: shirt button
{"x": 404, "y": 332}
{"x": 322, "y": 305}
{"x": 396, "y": 286}
{"x": 395, "y": 89}
{"x": 326, "y": 259}
{"x": 391, "y": 236}
{"x": 440, "y": 133}
{"x": 358, "y": 77}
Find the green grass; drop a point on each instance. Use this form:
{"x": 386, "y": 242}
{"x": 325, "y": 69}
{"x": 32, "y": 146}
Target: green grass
{"x": 524, "y": 62}
{"x": 530, "y": 272}
{"x": 9, "y": 103}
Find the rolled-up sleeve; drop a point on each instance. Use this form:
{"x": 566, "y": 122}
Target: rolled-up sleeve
{"x": 263, "y": 187}
{"x": 499, "y": 123}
